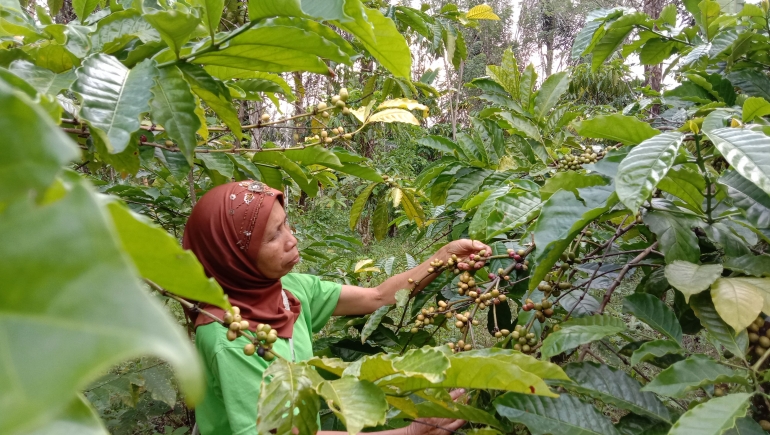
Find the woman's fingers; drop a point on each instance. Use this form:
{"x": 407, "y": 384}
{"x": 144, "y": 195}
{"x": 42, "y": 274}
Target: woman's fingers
{"x": 456, "y": 393}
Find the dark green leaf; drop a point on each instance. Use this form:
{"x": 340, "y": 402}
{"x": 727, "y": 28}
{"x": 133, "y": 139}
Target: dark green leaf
{"x": 746, "y": 152}
{"x": 690, "y": 374}
{"x": 745, "y": 195}
{"x": 579, "y": 331}
{"x": 565, "y": 415}
{"x": 687, "y": 185}
{"x": 656, "y": 51}
{"x": 502, "y": 213}
{"x": 714, "y": 416}
{"x": 570, "y": 181}
{"x": 173, "y": 107}
{"x": 753, "y": 83}
{"x": 703, "y": 307}
{"x": 117, "y": 29}
{"x": 550, "y": 93}
{"x": 655, "y": 313}
{"x": 215, "y": 94}
{"x": 43, "y": 80}
{"x": 616, "y": 33}
{"x": 632, "y": 424}
{"x": 380, "y": 219}
{"x": 655, "y": 350}
{"x": 745, "y": 426}
{"x": 675, "y": 235}
{"x": 218, "y": 162}
{"x": 750, "y": 264}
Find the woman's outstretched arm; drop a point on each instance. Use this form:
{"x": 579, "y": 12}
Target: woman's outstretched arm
{"x": 356, "y": 300}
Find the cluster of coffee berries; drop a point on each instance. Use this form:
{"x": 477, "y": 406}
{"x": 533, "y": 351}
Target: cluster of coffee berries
{"x": 759, "y": 336}
{"x": 426, "y": 317}
{"x": 474, "y": 262}
{"x": 575, "y": 162}
{"x": 261, "y": 343}
{"x": 542, "y": 309}
{"x": 518, "y": 257}
{"x": 524, "y": 339}
{"x": 460, "y": 346}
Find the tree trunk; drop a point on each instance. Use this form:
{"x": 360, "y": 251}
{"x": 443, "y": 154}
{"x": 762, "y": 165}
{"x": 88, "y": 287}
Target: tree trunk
{"x": 653, "y": 73}
{"x": 548, "y": 26}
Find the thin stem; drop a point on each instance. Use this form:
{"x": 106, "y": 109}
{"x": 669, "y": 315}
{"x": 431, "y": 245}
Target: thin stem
{"x": 626, "y": 268}
{"x": 706, "y": 178}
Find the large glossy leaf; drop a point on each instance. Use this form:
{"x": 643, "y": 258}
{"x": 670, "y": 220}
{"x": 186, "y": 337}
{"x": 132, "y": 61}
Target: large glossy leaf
{"x": 36, "y": 151}
{"x": 77, "y": 418}
{"x": 581, "y": 330}
{"x": 570, "y": 181}
{"x": 745, "y": 195}
{"x": 750, "y": 264}
{"x": 117, "y": 29}
{"x": 565, "y": 415}
{"x": 686, "y": 184}
{"x": 654, "y": 312}
{"x": 81, "y": 303}
{"x": 550, "y": 92}
{"x": 653, "y": 350}
{"x": 632, "y": 424}
{"x": 746, "y": 152}
{"x": 690, "y": 374}
{"x": 755, "y": 107}
{"x": 379, "y": 36}
{"x": 175, "y": 27}
{"x": 212, "y": 13}
{"x": 562, "y": 217}
{"x": 614, "y": 387}
{"x": 427, "y": 364}
{"x": 358, "y": 205}
{"x": 704, "y": 309}
{"x": 691, "y": 278}
{"x": 114, "y": 97}
{"x": 358, "y": 404}
{"x": 159, "y": 258}
{"x": 282, "y": 44}
{"x": 675, "y": 236}
{"x": 714, "y": 416}
{"x": 753, "y": 83}
{"x": 616, "y": 33}
{"x": 215, "y": 94}
{"x": 587, "y": 37}
{"x": 737, "y": 301}
{"x": 83, "y": 8}
{"x": 43, "y": 80}
{"x": 645, "y": 166}
{"x": 520, "y": 125}
{"x": 455, "y": 410}
{"x": 503, "y": 211}
{"x": 173, "y": 106}
{"x": 374, "y": 321}
{"x": 394, "y": 115}
{"x": 746, "y": 426}
{"x": 289, "y": 404}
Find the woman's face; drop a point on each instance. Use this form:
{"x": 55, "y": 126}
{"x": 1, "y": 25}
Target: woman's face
{"x": 278, "y": 253}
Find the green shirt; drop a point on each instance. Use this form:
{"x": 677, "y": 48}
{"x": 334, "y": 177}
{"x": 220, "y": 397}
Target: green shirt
{"x": 233, "y": 378}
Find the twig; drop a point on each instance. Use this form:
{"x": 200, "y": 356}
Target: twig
{"x": 626, "y": 268}
{"x": 191, "y": 186}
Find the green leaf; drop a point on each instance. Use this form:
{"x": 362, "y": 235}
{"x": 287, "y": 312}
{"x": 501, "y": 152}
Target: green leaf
{"x": 173, "y": 107}
{"x": 745, "y": 426}
{"x": 746, "y": 152}
{"x": 562, "y": 217}
{"x": 358, "y": 404}
{"x": 212, "y": 12}
{"x": 656, "y": 51}
{"x": 646, "y": 164}
{"x": 750, "y": 264}
{"x": 289, "y": 404}
{"x": 565, "y": 415}
{"x": 691, "y": 278}
{"x": 613, "y": 387}
{"x": 527, "y": 82}
{"x": 440, "y": 143}
{"x": 550, "y": 93}
{"x": 266, "y": 82}
{"x": 745, "y": 195}
{"x": 218, "y": 162}
{"x": 502, "y": 211}
{"x": 374, "y": 321}
{"x": 753, "y": 83}
{"x": 83, "y": 8}
{"x": 655, "y": 313}
{"x": 687, "y": 185}
{"x": 380, "y": 219}
{"x": 737, "y": 301}
{"x": 81, "y": 302}
{"x": 35, "y": 151}
{"x": 585, "y": 39}
{"x": 616, "y": 33}
{"x": 44, "y": 81}
{"x": 675, "y": 236}
{"x": 627, "y": 130}
{"x": 175, "y": 27}
{"x": 393, "y": 115}
{"x": 77, "y": 418}
{"x": 118, "y": 29}
{"x": 714, "y": 416}
{"x": 652, "y": 350}
{"x": 579, "y": 331}
{"x": 358, "y": 205}
{"x": 114, "y": 97}
{"x": 412, "y": 208}
{"x": 570, "y": 181}
{"x": 215, "y": 94}
{"x": 632, "y": 424}
{"x": 755, "y": 107}
{"x": 695, "y": 372}
{"x": 159, "y": 258}
{"x": 282, "y": 44}
{"x": 704, "y": 309}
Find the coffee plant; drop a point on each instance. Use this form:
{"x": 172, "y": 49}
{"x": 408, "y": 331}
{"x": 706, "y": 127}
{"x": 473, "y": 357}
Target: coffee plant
{"x": 618, "y": 238}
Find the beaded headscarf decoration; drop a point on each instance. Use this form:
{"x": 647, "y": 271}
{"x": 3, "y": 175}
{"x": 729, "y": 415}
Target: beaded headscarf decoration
{"x": 251, "y": 189}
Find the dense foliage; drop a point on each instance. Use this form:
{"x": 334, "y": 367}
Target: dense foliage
{"x": 116, "y": 122}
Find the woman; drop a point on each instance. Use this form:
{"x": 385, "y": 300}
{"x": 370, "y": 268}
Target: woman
{"x": 239, "y": 233}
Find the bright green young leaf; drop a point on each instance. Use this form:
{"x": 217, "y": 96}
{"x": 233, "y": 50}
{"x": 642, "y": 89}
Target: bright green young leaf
{"x": 646, "y": 164}
{"x": 565, "y": 415}
{"x": 579, "y": 331}
{"x": 519, "y": 125}
{"x": 117, "y": 29}
{"x": 36, "y": 151}
{"x": 550, "y": 93}
{"x": 614, "y": 387}
{"x": 745, "y": 195}
{"x": 691, "y": 278}
{"x": 358, "y": 404}
{"x": 502, "y": 213}
{"x": 86, "y": 312}
{"x": 393, "y": 115}
{"x": 212, "y": 13}
{"x": 173, "y": 107}
{"x": 427, "y": 364}
{"x": 215, "y": 94}
{"x": 750, "y": 264}
{"x": 746, "y": 152}
{"x": 570, "y": 181}
{"x": 412, "y": 208}
{"x": 755, "y": 107}
{"x": 159, "y": 258}
{"x": 218, "y": 162}
{"x": 358, "y": 205}
{"x": 77, "y": 418}
{"x": 737, "y": 301}
{"x": 380, "y": 219}
{"x": 379, "y": 36}
{"x": 704, "y": 309}
{"x": 175, "y": 27}
{"x": 616, "y": 33}
{"x": 656, "y": 51}
{"x": 587, "y": 37}
{"x": 687, "y": 185}
{"x": 652, "y": 350}
{"x": 627, "y": 130}
{"x": 690, "y": 374}
{"x": 83, "y": 8}
{"x": 714, "y": 416}
{"x": 289, "y": 403}
{"x": 675, "y": 236}
{"x": 654, "y": 312}
{"x": 114, "y": 97}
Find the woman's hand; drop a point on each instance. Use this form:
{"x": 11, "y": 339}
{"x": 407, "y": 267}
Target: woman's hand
{"x": 462, "y": 248}
{"x": 436, "y": 426}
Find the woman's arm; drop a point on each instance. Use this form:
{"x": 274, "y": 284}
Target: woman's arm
{"x": 356, "y": 300}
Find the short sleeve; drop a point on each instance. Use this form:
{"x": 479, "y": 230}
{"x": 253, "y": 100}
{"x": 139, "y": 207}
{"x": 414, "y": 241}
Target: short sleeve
{"x": 321, "y": 297}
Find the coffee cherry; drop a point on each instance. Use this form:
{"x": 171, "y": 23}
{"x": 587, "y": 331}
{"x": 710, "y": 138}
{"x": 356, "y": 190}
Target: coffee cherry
{"x": 459, "y": 324}
{"x": 228, "y": 318}
{"x": 269, "y": 356}
{"x": 564, "y": 285}
{"x": 460, "y": 343}
{"x": 244, "y": 325}
{"x": 539, "y": 306}
{"x": 475, "y": 322}
{"x": 346, "y": 111}
{"x": 718, "y": 392}
{"x": 168, "y": 143}
{"x": 249, "y": 349}
{"x": 505, "y": 332}
{"x": 548, "y": 312}
{"x": 340, "y": 104}
{"x": 335, "y": 99}
{"x": 498, "y": 334}
{"x": 502, "y": 298}
{"x": 265, "y": 117}
{"x": 525, "y": 348}
{"x": 414, "y": 330}
{"x": 235, "y": 326}
{"x": 765, "y": 425}
{"x": 764, "y": 342}
{"x": 759, "y": 350}
{"x": 326, "y": 114}
{"x": 271, "y": 338}
{"x": 526, "y": 307}
{"x": 142, "y": 138}
{"x": 322, "y": 106}
{"x": 232, "y": 335}
{"x": 451, "y": 345}
{"x": 237, "y": 318}
{"x": 344, "y": 94}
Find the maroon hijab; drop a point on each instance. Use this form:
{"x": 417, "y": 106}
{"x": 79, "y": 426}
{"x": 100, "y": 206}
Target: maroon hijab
{"x": 225, "y": 231}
